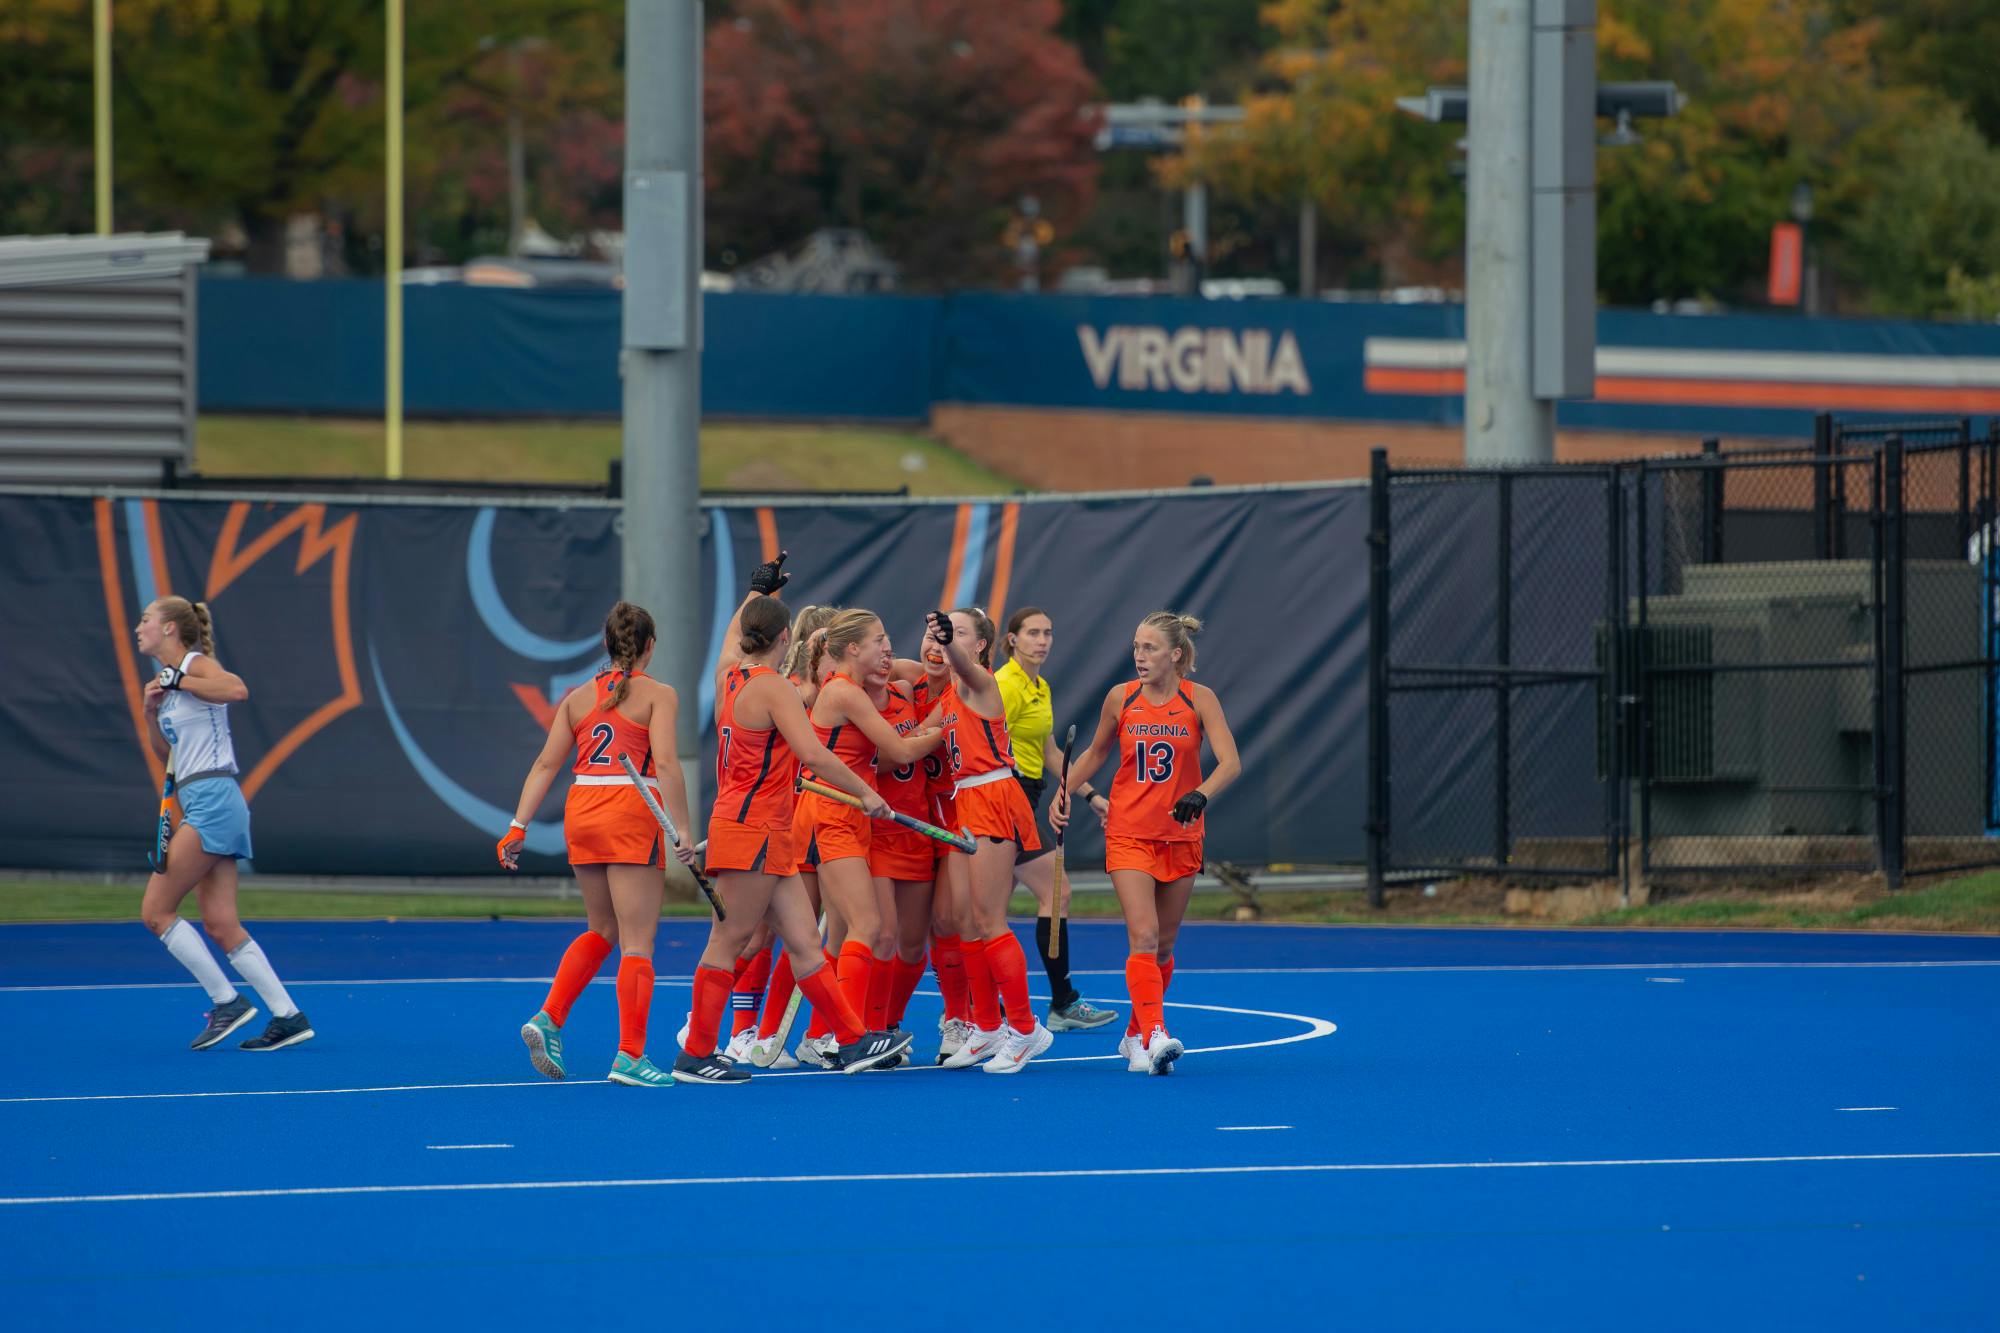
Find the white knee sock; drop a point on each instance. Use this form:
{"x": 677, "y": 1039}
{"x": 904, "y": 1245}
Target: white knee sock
{"x": 251, "y": 964}
{"x": 185, "y": 943}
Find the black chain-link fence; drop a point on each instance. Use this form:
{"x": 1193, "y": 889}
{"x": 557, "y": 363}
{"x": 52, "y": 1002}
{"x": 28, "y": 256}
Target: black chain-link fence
{"x": 1763, "y": 659}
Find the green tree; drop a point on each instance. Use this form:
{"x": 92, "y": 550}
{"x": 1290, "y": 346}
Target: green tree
{"x": 1927, "y": 236}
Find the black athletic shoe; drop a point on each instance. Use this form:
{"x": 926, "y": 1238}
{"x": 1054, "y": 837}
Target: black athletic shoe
{"x": 223, "y": 1020}
{"x": 871, "y": 1050}
{"x": 707, "y": 1069}
{"x": 282, "y": 1032}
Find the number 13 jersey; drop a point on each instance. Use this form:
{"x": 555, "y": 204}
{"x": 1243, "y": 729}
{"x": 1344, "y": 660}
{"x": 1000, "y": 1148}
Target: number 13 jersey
{"x": 1159, "y": 761}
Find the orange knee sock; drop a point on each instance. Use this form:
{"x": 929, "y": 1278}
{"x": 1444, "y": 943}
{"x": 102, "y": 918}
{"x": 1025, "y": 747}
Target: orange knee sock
{"x": 979, "y": 985}
{"x": 853, "y": 967}
{"x": 780, "y": 998}
{"x": 711, "y": 993}
{"x": 748, "y": 989}
{"x": 948, "y": 957}
{"x": 635, "y": 999}
{"x": 903, "y": 979}
{"x": 828, "y": 1001}
{"x": 586, "y": 953}
{"x": 876, "y": 1015}
{"x": 1009, "y": 966}
{"x": 1142, "y": 979}
{"x": 1132, "y": 1028}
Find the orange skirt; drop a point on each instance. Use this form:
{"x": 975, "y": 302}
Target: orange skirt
{"x": 895, "y": 852}
{"x": 825, "y": 830}
{"x": 1164, "y": 861}
{"x": 999, "y": 811}
{"x": 735, "y": 846}
{"x": 611, "y": 826}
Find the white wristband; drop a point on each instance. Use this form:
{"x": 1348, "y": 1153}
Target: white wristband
{"x": 515, "y": 823}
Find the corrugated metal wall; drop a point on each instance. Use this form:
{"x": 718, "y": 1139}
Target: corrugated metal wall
{"x": 97, "y": 380}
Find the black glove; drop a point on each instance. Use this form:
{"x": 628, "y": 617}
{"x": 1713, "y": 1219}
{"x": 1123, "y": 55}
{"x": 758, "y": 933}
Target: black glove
{"x": 770, "y": 576}
{"x": 1189, "y": 807}
{"x": 170, "y": 677}
{"x": 940, "y": 624}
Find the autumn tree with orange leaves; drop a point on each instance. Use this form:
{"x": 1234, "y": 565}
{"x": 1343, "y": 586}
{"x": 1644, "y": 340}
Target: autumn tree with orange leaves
{"x": 920, "y": 122}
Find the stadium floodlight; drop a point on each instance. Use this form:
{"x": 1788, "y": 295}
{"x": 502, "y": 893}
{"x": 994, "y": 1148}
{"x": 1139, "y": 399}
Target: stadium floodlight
{"x": 1622, "y": 102}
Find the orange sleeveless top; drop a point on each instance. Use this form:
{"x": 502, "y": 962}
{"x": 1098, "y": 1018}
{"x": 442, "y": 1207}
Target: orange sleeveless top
{"x": 754, "y": 769}
{"x": 974, "y": 744}
{"x": 1159, "y": 761}
{"x": 906, "y": 788}
{"x": 604, "y": 734}
{"x": 849, "y": 746}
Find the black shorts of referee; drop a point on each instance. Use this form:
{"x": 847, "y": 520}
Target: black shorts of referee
{"x": 1035, "y": 789}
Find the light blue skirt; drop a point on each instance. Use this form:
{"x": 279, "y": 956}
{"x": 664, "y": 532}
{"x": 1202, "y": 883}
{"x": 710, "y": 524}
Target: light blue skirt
{"x": 216, "y": 808}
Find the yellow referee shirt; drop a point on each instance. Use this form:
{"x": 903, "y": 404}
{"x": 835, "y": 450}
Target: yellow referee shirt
{"x": 1031, "y": 715}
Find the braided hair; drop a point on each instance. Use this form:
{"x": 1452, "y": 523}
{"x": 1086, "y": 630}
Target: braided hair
{"x": 628, "y": 631}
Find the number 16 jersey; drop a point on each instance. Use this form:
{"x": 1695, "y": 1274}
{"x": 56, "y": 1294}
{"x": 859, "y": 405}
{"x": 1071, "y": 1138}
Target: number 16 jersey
{"x": 1159, "y": 761}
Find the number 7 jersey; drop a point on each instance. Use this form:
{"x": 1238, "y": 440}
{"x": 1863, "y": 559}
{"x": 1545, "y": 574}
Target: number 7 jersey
{"x": 1159, "y": 761}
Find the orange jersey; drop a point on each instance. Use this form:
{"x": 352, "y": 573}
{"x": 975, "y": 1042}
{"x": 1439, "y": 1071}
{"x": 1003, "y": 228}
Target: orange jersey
{"x": 905, "y": 788}
{"x": 976, "y": 745}
{"x": 754, "y": 769}
{"x": 849, "y": 746}
{"x": 606, "y": 733}
{"x": 938, "y": 780}
{"x": 1159, "y": 761}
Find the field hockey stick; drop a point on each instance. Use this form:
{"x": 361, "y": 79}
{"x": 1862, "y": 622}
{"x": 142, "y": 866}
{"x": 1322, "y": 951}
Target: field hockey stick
{"x": 1056, "y": 894}
{"x": 163, "y": 831}
{"x": 959, "y": 840}
{"x": 784, "y": 1032}
{"x": 667, "y": 825}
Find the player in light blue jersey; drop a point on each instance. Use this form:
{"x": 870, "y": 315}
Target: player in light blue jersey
{"x": 187, "y": 724}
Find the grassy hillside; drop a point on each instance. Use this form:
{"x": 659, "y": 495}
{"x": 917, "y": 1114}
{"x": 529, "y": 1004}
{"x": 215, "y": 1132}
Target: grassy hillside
{"x": 733, "y": 458}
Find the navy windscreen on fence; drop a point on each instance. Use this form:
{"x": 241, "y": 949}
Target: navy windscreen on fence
{"x": 400, "y": 657}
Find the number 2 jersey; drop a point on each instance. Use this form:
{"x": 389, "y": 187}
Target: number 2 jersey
{"x": 1159, "y": 761}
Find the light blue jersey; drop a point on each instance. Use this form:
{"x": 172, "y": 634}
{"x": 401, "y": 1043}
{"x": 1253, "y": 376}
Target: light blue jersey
{"x": 198, "y": 731}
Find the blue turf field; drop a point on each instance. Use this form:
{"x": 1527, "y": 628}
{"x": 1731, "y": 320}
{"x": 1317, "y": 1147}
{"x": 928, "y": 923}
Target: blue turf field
{"x": 1509, "y": 1129}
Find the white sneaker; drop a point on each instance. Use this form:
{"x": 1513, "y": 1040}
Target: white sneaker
{"x": 1133, "y": 1052}
{"x": 819, "y": 1051}
{"x": 980, "y": 1045}
{"x": 739, "y": 1045}
{"x": 1019, "y": 1048}
{"x": 1161, "y": 1051}
{"x": 681, "y": 1037}
{"x": 953, "y": 1032}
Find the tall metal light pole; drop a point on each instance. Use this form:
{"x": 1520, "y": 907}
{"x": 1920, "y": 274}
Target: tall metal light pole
{"x": 1504, "y": 421}
{"x": 100, "y": 92}
{"x": 392, "y": 247}
{"x": 662, "y": 343}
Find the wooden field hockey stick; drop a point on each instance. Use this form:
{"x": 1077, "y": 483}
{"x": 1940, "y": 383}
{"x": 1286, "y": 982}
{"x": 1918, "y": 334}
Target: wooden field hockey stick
{"x": 667, "y": 826}
{"x": 1062, "y": 880}
{"x": 961, "y": 841}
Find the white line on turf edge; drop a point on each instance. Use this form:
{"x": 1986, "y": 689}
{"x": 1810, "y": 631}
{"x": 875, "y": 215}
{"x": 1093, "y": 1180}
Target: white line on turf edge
{"x": 899, "y": 1177}
{"x": 1233, "y": 1129}
{"x": 1669, "y": 981}
{"x": 1315, "y": 1028}
{"x": 462, "y": 1147}
{"x": 1866, "y": 1108}
{"x": 665, "y": 979}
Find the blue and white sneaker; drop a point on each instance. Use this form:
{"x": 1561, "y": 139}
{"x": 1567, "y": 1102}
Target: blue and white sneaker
{"x": 544, "y": 1041}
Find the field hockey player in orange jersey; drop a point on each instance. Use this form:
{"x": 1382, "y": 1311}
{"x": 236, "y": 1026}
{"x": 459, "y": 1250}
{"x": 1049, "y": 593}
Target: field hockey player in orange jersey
{"x": 901, "y": 860}
{"x": 614, "y": 841}
{"x": 1154, "y": 726}
{"x": 927, "y": 680}
{"x": 761, "y": 992}
{"x": 847, "y": 717}
{"x": 762, "y": 733}
{"x": 992, "y": 808}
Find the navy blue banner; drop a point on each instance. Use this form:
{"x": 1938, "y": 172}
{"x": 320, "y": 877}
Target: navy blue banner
{"x": 272, "y": 345}
{"x": 403, "y": 660}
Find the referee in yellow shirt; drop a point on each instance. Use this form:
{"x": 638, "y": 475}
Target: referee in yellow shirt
{"x": 1031, "y": 724}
